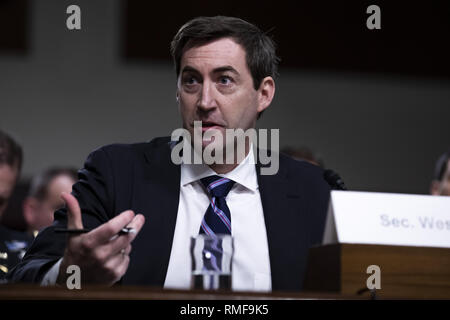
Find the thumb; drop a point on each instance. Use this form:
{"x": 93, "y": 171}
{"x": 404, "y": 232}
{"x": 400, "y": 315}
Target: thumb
{"x": 73, "y": 211}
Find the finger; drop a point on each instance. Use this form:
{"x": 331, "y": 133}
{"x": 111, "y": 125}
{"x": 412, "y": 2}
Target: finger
{"x": 117, "y": 265}
{"x": 111, "y": 251}
{"x": 74, "y": 220}
{"x": 118, "y": 243}
{"x": 114, "y": 246}
{"x": 122, "y": 267}
{"x": 106, "y": 231}
{"x": 137, "y": 223}
{"x": 128, "y": 250}
{"x": 113, "y": 262}
{"x": 124, "y": 251}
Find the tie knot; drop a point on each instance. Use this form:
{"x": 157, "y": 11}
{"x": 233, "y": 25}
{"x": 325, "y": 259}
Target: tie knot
{"x": 217, "y": 186}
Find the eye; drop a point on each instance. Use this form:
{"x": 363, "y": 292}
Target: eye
{"x": 190, "y": 83}
{"x": 225, "y": 80}
{"x": 190, "y": 79}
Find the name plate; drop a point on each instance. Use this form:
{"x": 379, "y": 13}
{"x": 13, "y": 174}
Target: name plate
{"x": 388, "y": 219}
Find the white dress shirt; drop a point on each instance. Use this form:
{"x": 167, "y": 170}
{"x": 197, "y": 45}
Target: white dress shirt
{"x": 251, "y": 265}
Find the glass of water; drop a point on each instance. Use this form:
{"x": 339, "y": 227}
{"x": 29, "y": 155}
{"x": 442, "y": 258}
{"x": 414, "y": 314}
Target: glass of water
{"x": 212, "y": 258}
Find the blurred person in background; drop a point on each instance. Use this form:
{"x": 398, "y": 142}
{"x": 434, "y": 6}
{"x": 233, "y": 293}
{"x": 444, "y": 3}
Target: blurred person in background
{"x": 44, "y": 197}
{"x": 440, "y": 186}
{"x": 13, "y": 244}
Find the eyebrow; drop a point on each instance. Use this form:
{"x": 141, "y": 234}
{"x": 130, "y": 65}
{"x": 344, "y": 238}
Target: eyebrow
{"x": 225, "y": 69}
{"x": 216, "y": 70}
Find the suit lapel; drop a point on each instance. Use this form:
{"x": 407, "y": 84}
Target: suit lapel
{"x": 286, "y": 225}
{"x": 157, "y": 197}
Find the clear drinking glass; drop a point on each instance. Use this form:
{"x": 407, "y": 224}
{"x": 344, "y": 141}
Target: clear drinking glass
{"x": 212, "y": 258}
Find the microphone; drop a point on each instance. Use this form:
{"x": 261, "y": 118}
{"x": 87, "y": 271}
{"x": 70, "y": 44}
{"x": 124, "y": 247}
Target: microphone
{"x": 334, "y": 180}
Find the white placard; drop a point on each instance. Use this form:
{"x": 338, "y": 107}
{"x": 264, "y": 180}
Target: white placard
{"x": 388, "y": 219}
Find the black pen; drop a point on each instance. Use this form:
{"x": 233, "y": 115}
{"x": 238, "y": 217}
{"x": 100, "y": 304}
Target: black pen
{"x": 79, "y": 231}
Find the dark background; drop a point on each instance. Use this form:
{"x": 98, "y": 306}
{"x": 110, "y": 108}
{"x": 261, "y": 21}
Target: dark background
{"x": 313, "y": 35}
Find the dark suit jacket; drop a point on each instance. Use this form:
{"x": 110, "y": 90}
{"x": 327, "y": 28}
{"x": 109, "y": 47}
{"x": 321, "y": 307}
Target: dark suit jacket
{"x": 143, "y": 178}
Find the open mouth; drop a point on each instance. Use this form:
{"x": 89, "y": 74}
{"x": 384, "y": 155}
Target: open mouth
{"x": 210, "y": 125}
{"x": 207, "y": 125}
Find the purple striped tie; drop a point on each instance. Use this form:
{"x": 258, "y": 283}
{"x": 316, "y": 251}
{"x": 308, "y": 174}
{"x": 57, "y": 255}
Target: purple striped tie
{"x": 217, "y": 219}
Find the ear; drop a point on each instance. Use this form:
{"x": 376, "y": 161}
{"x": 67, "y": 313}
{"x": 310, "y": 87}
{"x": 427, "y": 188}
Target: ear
{"x": 266, "y": 93}
{"x": 434, "y": 188}
{"x": 29, "y": 211}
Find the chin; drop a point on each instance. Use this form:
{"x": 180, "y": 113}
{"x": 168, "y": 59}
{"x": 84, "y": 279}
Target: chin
{"x": 210, "y": 143}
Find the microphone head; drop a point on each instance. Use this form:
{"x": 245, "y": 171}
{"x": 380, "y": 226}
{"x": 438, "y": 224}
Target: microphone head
{"x": 334, "y": 180}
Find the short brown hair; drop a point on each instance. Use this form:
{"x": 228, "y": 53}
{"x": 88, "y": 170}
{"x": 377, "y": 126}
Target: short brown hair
{"x": 262, "y": 60}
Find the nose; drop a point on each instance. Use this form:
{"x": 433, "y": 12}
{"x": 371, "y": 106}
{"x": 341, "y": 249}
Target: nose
{"x": 207, "y": 99}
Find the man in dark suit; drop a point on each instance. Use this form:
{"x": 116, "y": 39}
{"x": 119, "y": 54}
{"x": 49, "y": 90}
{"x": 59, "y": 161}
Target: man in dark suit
{"x": 225, "y": 68}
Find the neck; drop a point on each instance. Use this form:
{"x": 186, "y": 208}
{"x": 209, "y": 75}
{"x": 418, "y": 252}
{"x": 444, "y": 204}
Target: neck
{"x": 223, "y": 168}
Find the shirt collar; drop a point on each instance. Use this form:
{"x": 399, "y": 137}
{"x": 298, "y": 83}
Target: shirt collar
{"x": 244, "y": 174}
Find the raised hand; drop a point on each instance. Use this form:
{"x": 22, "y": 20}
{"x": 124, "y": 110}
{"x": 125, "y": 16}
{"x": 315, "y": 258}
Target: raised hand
{"x": 101, "y": 254}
